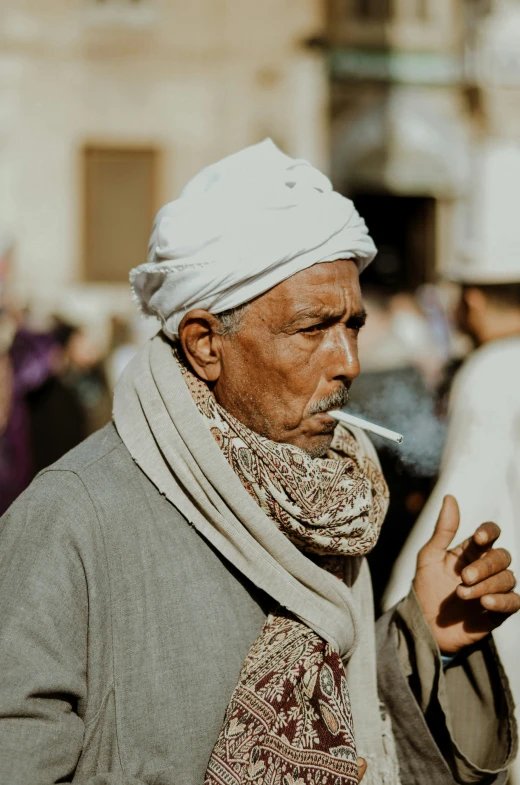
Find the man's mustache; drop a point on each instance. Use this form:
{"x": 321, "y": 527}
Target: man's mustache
{"x": 336, "y": 400}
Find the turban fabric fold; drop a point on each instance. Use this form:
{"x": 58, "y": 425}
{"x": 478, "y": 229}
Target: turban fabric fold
{"x": 241, "y": 226}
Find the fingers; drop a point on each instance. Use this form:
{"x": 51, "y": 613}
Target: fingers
{"x": 446, "y": 526}
{"x": 486, "y": 535}
{"x": 498, "y": 584}
{"x": 473, "y": 547}
{"x": 490, "y": 563}
{"x": 489, "y": 580}
{"x": 362, "y": 767}
{"x": 483, "y": 539}
{"x": 501, "y": 603}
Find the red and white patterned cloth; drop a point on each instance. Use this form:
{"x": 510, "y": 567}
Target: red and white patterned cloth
{"x": 289, "y": 721}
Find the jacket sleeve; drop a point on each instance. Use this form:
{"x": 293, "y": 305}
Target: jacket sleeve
{"x": 453, "y": 726}
{"x": 43, "y": 634}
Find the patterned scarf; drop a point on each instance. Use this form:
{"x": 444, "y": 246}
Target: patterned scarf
{"x": 289, "y": 721}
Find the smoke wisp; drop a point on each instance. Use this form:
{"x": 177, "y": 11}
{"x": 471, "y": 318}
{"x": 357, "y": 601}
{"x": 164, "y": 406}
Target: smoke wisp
{"x": 399, "y": 402}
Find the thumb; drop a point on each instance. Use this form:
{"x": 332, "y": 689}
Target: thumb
{"x": 362, "y": 767}
{"x": 446, "y": 526}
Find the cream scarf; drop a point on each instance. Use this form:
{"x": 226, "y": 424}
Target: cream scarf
{"x": 161, "y": 424}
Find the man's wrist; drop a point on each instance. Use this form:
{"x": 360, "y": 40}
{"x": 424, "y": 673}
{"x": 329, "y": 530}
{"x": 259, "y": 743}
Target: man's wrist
{"x": 447, "y": 660}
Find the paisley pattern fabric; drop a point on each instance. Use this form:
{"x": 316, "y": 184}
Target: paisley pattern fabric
{"x": 289, "y": 721}
{"x": 333, "y": 505}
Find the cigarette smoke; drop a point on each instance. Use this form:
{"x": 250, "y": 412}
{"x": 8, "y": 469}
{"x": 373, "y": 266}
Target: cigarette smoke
{"x": 399, "y": 403}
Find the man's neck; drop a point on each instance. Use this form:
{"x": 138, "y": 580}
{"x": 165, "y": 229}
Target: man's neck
{"x": 498, "y": 326}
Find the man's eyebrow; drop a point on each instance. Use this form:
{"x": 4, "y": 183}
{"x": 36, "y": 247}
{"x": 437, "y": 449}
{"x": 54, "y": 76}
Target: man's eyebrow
{"x": 359, "y": 317}
{"x": 315, "y": 312}
{"x": 324, "y": 314}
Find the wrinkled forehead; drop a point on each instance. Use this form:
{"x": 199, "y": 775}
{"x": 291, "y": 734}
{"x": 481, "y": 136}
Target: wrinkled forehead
{"x": 328, "y": 288}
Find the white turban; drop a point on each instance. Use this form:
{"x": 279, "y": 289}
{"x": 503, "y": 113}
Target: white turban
{"x": 241, "y": 226}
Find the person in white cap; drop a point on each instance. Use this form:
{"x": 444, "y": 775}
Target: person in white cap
{"x": 184, "y": 596}
{"x": 481, "y": 460}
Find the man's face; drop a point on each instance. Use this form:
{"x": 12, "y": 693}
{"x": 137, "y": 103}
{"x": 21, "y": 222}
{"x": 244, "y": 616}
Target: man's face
{"x": 295, "y": 356}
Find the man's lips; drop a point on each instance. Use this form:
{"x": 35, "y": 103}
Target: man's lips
{"x": 325, "y": 422}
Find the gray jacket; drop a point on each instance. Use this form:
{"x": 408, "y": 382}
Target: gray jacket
{"x": 122, "y": 636}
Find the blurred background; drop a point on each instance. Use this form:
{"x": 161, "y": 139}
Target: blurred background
{"x": 108, "y": 107}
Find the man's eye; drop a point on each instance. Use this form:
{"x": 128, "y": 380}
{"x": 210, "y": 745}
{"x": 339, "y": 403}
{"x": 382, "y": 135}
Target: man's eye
{"x": 314, "y": 328}
{"x": 356, "y": 326}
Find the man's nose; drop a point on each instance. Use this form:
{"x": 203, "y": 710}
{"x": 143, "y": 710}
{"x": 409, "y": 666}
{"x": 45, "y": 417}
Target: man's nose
{"x": 344, "y": 362}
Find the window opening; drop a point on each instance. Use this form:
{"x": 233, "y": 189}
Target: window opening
{"x": 373, "y": 9}
{"x": 120, "y": 198}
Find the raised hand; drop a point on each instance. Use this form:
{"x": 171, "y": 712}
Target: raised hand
{"x": 466, "y": 592}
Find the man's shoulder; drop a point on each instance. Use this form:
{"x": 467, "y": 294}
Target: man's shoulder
{"x": 58, "y": 506}
{"x": 104, "y": 468}
{"x": 490, "y": 369}
{"x": 95, "y": 487}
{"x": 497, "y": 355}
{"x": 92, "y": 473}
{"x": 100, "y": 462}
{"x": 96, "y": 448}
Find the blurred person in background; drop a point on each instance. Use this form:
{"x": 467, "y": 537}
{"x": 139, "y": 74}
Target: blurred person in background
{"x": 53, "y": 394}
{"x": 123, "y": 347}
{"x": 187, "y": 599}
{"x": 28, "y": 361}
{"x": 481, "y": 461}
{"x": 36, "y": 426}
{"x": 14, "y": 468}
{"x": 84, "y": 372}
{"x": 58, "y": 420}
{"x": 126, "y": 336}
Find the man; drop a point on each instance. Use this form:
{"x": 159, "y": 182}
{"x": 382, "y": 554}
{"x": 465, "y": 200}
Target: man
{"x": 481, "y": 460}
{"x": 184, "y": 597}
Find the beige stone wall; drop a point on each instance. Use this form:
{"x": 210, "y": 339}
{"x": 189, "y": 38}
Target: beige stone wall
{"x": 198, "y": 79}
{"x": 443, "y": 120}
{"x": 495, "y": 69}
{"x": 493, "y": 230}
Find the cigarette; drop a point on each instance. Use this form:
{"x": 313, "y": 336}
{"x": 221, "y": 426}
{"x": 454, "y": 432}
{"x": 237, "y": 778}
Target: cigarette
{"x": 349, "y": 419}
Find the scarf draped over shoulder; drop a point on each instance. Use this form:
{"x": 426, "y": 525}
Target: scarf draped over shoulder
{"x": 306, "y": 702}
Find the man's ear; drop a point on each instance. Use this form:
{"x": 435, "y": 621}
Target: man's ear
{"x": 202, "y": 343}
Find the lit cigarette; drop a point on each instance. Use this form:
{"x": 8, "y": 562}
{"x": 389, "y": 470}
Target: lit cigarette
{"x": 349, "y": 419}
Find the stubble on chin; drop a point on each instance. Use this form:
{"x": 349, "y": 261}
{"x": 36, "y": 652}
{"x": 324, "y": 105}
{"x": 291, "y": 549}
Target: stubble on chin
{"x": 319, "y": 446}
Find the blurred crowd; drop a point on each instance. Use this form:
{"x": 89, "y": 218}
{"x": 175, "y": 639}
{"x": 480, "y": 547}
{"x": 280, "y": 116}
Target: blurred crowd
{"x": 56, "y": 388}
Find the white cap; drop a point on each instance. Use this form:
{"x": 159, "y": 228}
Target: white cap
{"x": 240, "y": 227}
